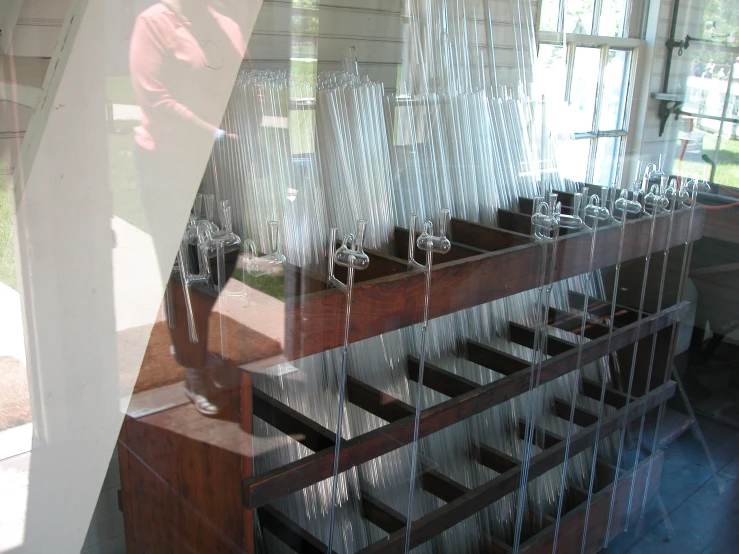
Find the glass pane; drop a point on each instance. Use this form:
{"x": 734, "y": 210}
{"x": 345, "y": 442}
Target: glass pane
{"x": 706, "y": 83}
{"x": 607, "y": 158}
{"x": 615, "y": 90}
{"x": 551, "y": 71}
{"x": 727, "y": 159}
{"x": 575, "y": 160}
{"x": 693, "y": 142}
{"x": 579, "y": 17}
{"x": 612, "y": 18}
{"x": 232, "y": 136}
{"x": 549, "y": 15}
{"x": 584, "y": 88}
{"x": 699, "y": 150}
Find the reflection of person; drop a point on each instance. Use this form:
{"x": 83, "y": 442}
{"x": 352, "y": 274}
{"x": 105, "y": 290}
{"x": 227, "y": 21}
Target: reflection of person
{"x": 710, "y": 66}
{"x": 175, "y": 47}
{"x": 175, "y": 43}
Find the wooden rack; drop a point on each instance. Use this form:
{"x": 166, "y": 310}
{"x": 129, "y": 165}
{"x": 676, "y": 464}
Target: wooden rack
{"x": 486, "y": 264}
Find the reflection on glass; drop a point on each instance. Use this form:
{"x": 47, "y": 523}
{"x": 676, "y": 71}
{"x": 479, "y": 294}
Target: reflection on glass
{"x": 551, "y": 70}
{"x": 549, "y": 16}
{"x": 615, "y": 90}
{"x": 726, "y": 156}
{"x": 612, "y": 18}
{"x": 707, "y": 84}
{"x": 15, "y": 406}
{"x": 584, "y": 87}
{"x": 606, "y": 161}
{"x": 579, "y": 17}
{"x": 575, "y": 162}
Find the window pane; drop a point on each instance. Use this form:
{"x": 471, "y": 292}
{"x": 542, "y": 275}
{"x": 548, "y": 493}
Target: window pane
{"x": 579, "y": 17}
{"x": 584, "y": 87}
{"x": 551, "y": 71}
{"x": 615, "y": 90}
{"x": 707, "y": 83}
{"x": 606, "y": 161}
{"x": 612, "y": 18}
{"x": 549, "y": 15}
{"x": 575, "y": 160}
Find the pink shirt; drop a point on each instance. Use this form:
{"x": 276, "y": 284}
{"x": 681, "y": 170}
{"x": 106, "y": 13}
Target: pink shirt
{"x": 172, "y": 61}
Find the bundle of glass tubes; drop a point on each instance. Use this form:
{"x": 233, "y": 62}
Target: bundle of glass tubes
{"x": 325, "y": 151}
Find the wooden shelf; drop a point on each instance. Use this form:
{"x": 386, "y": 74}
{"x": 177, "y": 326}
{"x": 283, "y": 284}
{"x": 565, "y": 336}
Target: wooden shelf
{"x": 462, "y": 502}
{"x": 258, "y": 491}
{"x": 393, "y": 301}
{"x": 485, "y": 264}
{"x": 470, "y": 503}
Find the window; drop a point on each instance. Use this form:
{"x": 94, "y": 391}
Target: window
{"x": 606, "y": 18}
{"x": 594, "y": 72}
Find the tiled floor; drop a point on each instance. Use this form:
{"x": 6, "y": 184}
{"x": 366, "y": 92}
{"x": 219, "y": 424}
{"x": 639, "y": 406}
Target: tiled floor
{"x": 702, "y": 510}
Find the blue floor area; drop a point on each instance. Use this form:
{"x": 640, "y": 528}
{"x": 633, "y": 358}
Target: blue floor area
{"x": 696, "y": 512}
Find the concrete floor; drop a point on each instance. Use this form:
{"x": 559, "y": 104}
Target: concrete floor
{"x": 700, "y": 512}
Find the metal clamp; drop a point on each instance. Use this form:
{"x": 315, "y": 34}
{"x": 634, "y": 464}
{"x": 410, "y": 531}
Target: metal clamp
{"x": 545, "y": 221}
{"x": 350, "y": 255}
{"x": 427, "y": 241}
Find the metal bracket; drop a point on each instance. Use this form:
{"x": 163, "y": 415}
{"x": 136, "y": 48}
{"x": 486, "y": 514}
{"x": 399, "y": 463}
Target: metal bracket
{"x": 666, "y": 109}
{"x": 681, "y": 45}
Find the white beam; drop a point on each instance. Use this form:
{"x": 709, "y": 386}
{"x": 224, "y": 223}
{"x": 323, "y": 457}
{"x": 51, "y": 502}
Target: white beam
{"x": 69, "y": 274}
{"x": 9, "y": 13}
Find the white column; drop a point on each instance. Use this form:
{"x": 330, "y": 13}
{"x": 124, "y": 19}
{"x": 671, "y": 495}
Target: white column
{"x": 72, "y": 309}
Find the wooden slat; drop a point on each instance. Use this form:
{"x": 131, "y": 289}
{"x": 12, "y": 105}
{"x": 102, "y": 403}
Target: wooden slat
{"x": 442, "y": 486}
{"x": 496, "y": 360}
{"x": 583, "y": 417}
{"x": 623, "y": 315}
{"x": 439, "y": 379}
{"x": 497, "y": 546}
{"x": 309, "y": 470}
{"x": 458, "y": 252}
{"x": 467, "y": 505}
{"x": 526, "y": 206}
{"x": 523, "y": 335}
{"x": 507, "y": 364}
{"x": 577, "y": 494}
{"x": 613, "y": 397}
{"x": 290, "y": 532}
{"x": 492, "y": 458}
{"x": 382, "y": 515}
{"x": 514, "y": 221}
{"x": 605, "y": 472}
{"x": 375, "y": 401}
{"x": 381, "y": 265}
{"x": 485, "y": 237}
{"x": 572, "y": 523}
{"x": 722, "y": 268}
{"x": 396, "y": 301}
{"x": 291, "y": 422}
{"x": 542, "y": 437}
{"x": 573, "y": 323}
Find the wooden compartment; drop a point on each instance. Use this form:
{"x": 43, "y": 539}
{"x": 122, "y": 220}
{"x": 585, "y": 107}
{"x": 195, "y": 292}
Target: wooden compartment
{"x": 188, "y": 483}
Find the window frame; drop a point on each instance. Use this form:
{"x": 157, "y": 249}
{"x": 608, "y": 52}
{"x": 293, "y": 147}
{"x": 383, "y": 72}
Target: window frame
{"x": 627, "y": 25}
{"x": 605, "y": 44}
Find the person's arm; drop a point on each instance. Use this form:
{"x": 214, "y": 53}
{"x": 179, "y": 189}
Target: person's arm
{"x": 146, "y": 60}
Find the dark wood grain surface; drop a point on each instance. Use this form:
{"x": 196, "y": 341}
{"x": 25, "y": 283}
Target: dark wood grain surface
{"x": 318, "y": 466}
{"x": 470, "y": 503}
{"x": 313, "y": 323}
